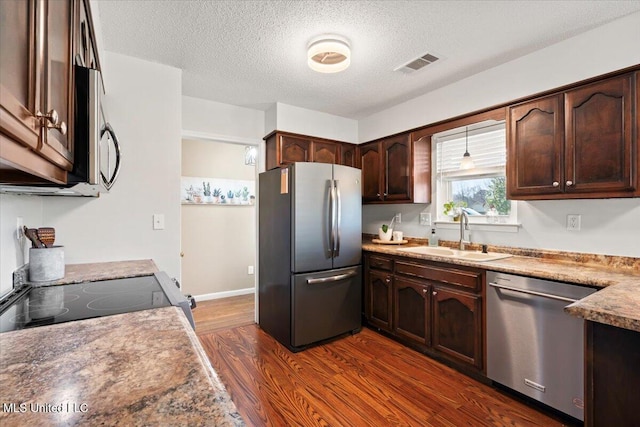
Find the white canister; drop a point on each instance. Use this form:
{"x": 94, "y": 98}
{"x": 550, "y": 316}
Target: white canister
{"x": 46, "y": 264}
{"x": 397, "y": 236}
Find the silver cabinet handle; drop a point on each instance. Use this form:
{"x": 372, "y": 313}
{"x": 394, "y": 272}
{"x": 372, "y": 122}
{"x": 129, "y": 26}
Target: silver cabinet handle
{"x": 435, "y": 293}
{"x": 335, "y": 278}
{"x": 528, "y": 292}
{"x": 387, "y": 280}
{"x": 52, "y": 117}
{"x": 424, "y": 291}
{"x": 52, "y": 121}
{"x": 556, "y": 184}
{"x": 569, "y": 183}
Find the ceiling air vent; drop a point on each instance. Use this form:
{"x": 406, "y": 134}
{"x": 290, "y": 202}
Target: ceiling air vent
{"x": 418, "y": 63}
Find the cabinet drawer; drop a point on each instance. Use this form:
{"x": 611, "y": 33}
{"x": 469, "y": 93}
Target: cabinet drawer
{"x": 380, "y": 263}
{"x": 453, "y": 276}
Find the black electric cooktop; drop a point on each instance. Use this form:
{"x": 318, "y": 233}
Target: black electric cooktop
{"x": 47, "y": 305}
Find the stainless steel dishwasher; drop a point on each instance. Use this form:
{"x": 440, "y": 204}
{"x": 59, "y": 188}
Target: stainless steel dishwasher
{"x": 533, "y": 346}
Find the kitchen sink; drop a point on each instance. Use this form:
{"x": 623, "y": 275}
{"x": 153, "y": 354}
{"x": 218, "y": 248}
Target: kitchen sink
{"x": 455, "y": 253}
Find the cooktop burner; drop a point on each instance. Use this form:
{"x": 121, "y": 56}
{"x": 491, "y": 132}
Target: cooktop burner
{"x": 63, "y": 303}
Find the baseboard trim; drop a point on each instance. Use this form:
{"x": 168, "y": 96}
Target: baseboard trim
{"x": 224, "y": 294}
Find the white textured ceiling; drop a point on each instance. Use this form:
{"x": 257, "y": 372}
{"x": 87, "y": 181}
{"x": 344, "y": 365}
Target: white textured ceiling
{"x": 253, "y": 53}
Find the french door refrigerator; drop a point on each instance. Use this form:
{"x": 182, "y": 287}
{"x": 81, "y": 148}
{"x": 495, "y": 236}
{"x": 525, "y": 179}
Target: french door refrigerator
{"x": 310, "y": 249}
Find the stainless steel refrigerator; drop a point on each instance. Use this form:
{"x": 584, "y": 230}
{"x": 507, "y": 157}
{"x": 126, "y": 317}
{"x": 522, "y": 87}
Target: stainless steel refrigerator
{"x": 310, "y": 249}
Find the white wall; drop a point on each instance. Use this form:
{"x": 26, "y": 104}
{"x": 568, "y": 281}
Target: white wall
{"x": 313, "y": 123}
{"x": 215, "y": 118}
{"x": 143, "y": 102}
{"x": 13, "y": 253}
{"x": 609, "y": 226}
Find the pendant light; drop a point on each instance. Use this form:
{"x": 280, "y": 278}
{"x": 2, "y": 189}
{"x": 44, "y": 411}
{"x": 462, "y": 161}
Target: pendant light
{"x": 467, "y": 161}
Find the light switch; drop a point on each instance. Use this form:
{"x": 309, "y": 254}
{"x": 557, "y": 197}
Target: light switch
{"x": 158, "y": 221}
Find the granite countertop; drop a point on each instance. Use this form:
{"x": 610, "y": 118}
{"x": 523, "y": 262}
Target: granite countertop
{"x": 92, "y": 272}
{"x": 141, "y": 368}
{"x": 617, "y": 303}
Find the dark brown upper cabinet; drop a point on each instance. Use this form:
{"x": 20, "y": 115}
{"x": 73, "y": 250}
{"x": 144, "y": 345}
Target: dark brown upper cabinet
{"x": 36, "y": 88}
{"x": 396, "y": 170}
{"x": 349, "y": 155}
{"x": 577, "y": 144}
{"x": 283, "y": 148}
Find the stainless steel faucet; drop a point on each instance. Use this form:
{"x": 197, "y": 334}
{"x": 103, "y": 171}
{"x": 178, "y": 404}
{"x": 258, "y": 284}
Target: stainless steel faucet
{"x": 464, "y": 225}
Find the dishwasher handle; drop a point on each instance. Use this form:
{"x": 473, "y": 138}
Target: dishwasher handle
{"x": 538, "y": 294}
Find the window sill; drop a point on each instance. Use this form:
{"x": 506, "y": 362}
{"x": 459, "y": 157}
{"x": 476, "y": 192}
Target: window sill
{"x": 480, "y": 226}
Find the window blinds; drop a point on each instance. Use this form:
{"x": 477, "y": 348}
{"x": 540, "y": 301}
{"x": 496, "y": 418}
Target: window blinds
{"x": 487, "y": 146}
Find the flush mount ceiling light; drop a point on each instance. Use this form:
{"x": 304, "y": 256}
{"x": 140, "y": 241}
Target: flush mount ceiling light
{"x": 329, "y": 54}
{"x": 467, "y": 161}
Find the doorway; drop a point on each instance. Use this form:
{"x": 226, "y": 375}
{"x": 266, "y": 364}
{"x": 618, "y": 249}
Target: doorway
{"x": 218, "y": 219}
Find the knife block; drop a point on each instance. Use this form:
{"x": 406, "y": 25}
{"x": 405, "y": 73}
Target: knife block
{"x": 46, "y": 264}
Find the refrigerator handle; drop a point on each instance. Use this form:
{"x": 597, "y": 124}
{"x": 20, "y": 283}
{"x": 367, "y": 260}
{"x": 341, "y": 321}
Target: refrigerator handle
{"x": 331, "y": 220}
{"x": 338, "y": 215}
{"x": 336, "y": 278}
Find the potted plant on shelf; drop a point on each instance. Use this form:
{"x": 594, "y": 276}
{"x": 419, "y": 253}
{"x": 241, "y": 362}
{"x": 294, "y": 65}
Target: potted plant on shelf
{"x": 245, "y": 195}
{"x": 230, "y": 196}
{"x": 454, "y": 209}
{"x": 217, "y": 192}
{"x": 207, "y": 192}
{"x": 237, "y": 196}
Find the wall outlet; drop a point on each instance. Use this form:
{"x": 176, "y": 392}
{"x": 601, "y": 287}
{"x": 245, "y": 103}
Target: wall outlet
{"x": 573, "y": 222}
{"x": 158, "y": 221}
{"x": 250, "y": 269}
{"x": 425, "y": 218}
{"x": 398, "y": 218}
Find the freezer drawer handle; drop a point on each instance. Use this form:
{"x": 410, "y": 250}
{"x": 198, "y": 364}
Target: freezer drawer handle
{"x": 332, "y": 278}
{"x": 539, "y": 294}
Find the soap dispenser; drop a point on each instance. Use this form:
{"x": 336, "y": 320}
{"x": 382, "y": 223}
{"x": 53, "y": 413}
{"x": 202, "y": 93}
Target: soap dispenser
{"x": 433, "y": 238}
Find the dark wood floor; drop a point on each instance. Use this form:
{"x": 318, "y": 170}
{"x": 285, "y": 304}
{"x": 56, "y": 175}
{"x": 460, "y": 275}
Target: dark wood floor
{"x": 361, "y": 380}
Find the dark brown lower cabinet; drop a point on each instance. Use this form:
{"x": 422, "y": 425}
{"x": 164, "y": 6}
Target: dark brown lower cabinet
{"x": 456, "y": 322}
{"x": 412, "y": 313}
{"x": 378, "y": 295}
{"x": 612, "y": 376}
{"x": 433, "y": 307}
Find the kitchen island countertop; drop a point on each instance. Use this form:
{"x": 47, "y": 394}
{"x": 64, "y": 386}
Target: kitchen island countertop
{"x": 140, "y": 368}
{"x": 617, "y": 303}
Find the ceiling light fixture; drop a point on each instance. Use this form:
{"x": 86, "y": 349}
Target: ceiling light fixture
{"x": 467, "y": 161}
{"x": 329, "y": 54}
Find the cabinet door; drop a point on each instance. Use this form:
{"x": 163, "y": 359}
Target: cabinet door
{"x": 349, "y": 156}
{"x": 457, "y": 325}
{"x": 18, "y": 77}
{"x": 378, "y": 299}
{"x": 293, "y": 149}
{"x": 599, "y": 144}
{"x": 411, "y": 314}
{"x": 326, "y": 152}
{"x": 370, "y": 163}
{"x": 397, "y": 168}
{"x": 58, "y": 69}
{"x": 83, "y": 44}
{"x": 535, "y": 135}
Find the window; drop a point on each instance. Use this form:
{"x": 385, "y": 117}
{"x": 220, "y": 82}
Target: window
{"x": 479, "y": 189}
